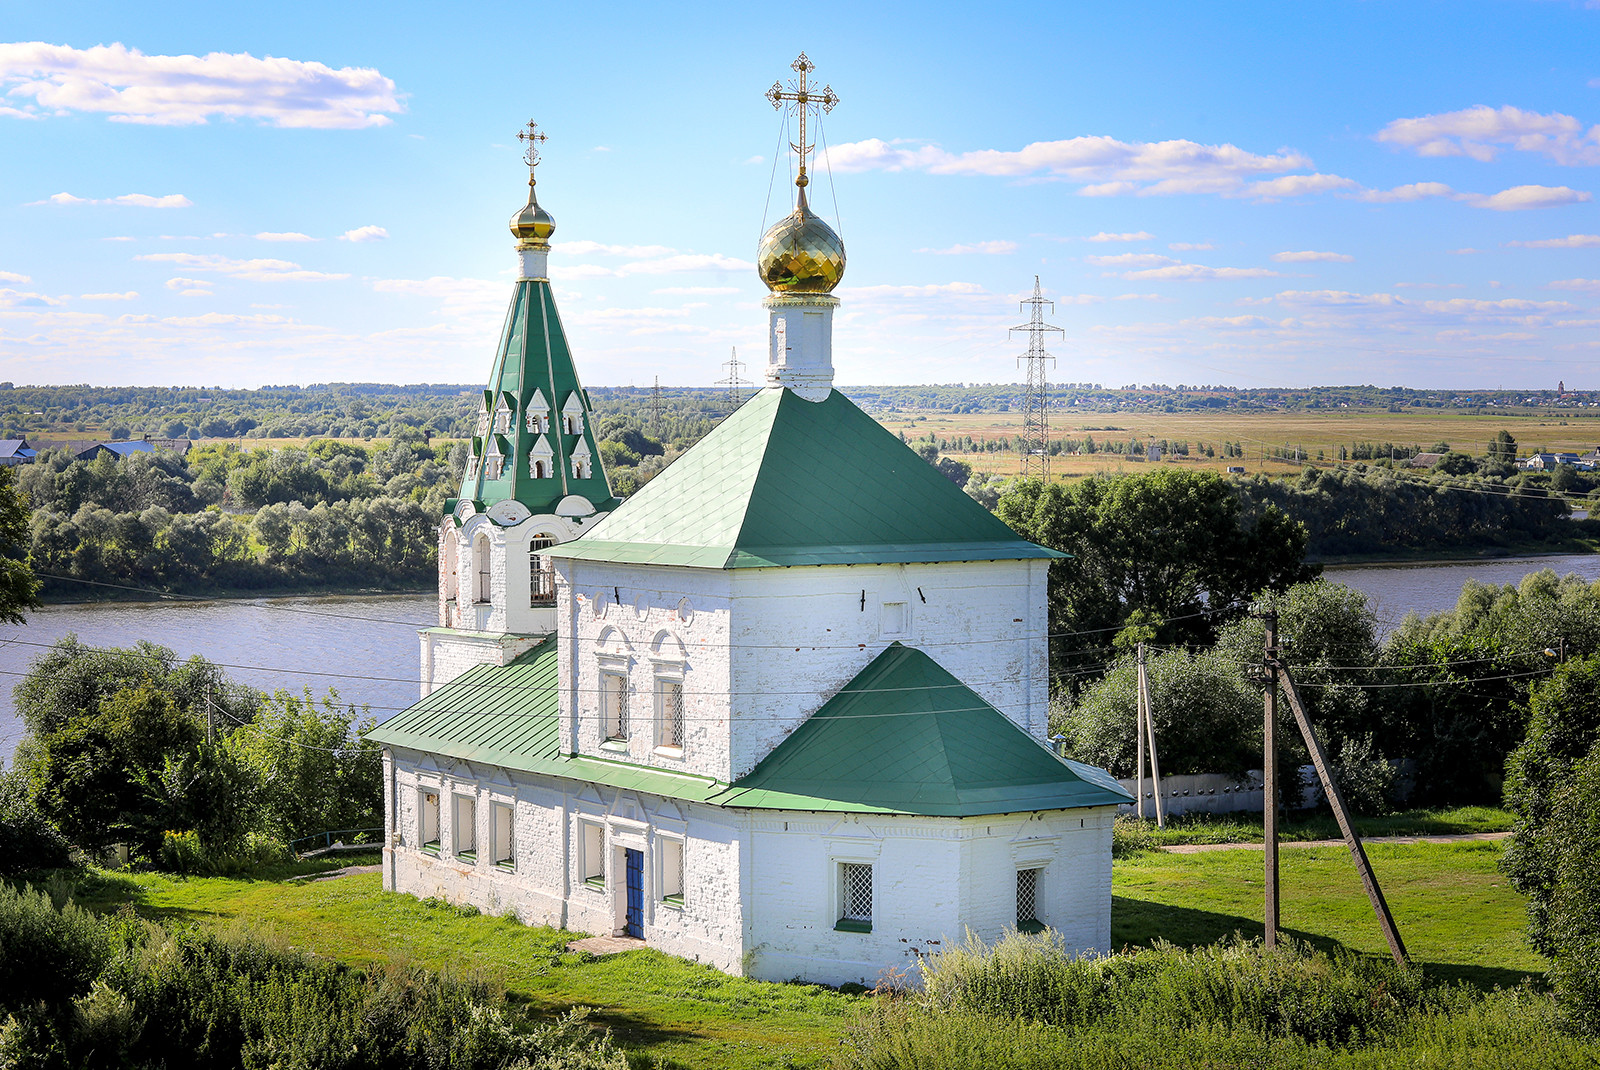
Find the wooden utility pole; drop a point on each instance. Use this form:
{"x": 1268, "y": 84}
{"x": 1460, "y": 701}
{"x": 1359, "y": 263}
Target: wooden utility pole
{"x": 1269, "y": 778}
{"x": 1147, "y": 732}
{"x": 1138, "y": 736}
{"x": 1380, "y": 906}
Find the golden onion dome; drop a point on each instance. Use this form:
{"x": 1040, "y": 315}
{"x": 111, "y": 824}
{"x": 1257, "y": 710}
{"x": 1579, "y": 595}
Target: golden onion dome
{"x": 533, "y": 225}
{"x": 801, "y": 253}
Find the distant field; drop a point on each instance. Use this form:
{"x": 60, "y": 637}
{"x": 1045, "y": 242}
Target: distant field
{"x": 1257, "y": 432}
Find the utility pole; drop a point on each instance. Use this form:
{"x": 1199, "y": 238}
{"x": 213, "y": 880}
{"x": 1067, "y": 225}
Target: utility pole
{"x": 1147, "y": 731}
{"x": 211, "y": 717}
{"x": 1036, "y": 398}
{"x": 1269, "y": 777}
{"x": 732, "y": 380}
{"x": 655, "y": 408}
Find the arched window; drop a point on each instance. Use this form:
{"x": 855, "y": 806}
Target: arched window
{"x": 541, "y": 571}
{"x": 539, "y": 470}
{"x": 580, "y": 468}
{"x": 480, "y": 555}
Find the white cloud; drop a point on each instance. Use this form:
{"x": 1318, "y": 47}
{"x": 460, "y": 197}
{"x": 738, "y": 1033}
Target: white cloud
{"x": 1197, "y": 272}
{"x": 1590, "y": 285}
{"x": 12, "y": 276}
{"x": 1297, "y": 186}
{"x": 693, "y": 291}
{"x": 283, "y": 235}
{"x": 1414, "y": 191}
{"x": 1112, "y": 166}
{"x": 461, "y": 297}
{"x": 255, "y": 270}
{"x": 1130, "y": 260}
{"x": 1518, "y": 198}
{"x": 191, "y": 287}
{"x": 129, "y": 296}
{"x": 666, "y": 265}
{"x": 1188, "y": 246}
{"x": 1308, "y": 256}
{"x": 946, "y": 289}
{"x": 991, "y": 248}
{"x": 1142, "y": 235}
{"x": 1571, "y": 241}
{"x": 1509, "y": 305}
{"x": 1481, "y": 131}
{"x": 132, "y": 87}
{"x": 225, "y": 319}
{"x": 134, "y": 200}
{"x": 119, "y": 237}
{"x": 364, "y": 234}
{"x": 22, "y": 299}
{"x": 587, "y": 248}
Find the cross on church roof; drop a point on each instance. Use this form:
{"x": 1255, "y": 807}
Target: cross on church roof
{"x": 532, "y": 135}
{"x": 802, "y": 97}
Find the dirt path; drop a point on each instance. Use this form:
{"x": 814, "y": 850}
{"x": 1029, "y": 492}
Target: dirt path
{"x": 1201, "y": 848}
{"x": 347, "y": 871}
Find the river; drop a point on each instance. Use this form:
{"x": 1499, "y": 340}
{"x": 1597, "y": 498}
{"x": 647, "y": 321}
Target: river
{"x": 366, "y": 647}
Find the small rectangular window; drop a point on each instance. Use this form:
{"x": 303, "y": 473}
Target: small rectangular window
{"x": 504, "y": 841}
{"x": 894, "y": 619}
{"x": 541, "y": 571}
{"x": 1028, "y": 901}
{"x": 669, "y": 713}
{"x": 671, "y": 870}
{"x": 464, "y": 828}
{"x": 614, "y": 705}
{"x": 593, "y": 849}
{"x": 428, "y": 820}
{"x": 855, "y": 897}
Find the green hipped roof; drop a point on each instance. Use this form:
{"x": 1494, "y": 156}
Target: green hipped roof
{"x": 786, "y": 481}
{"x": 907, "y": 737}
{"x": 903, "y": 737}
{"x": 533, "y": 355}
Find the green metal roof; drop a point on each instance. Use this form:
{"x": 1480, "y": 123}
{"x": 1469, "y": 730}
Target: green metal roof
{"x": 903, "y": 737}
{"x": 907, "y": 737}
{"x": 533, "y": 356}
{"x": 785, "y": 481}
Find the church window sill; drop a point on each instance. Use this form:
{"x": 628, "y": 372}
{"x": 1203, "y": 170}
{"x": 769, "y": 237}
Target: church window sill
{"x": 615, "y": 746}
{"x": 673, "y": 901}
{"x": 468, "y": 856}
{"x": 507, "y": 864}
{"x": 597, "y": 883}
{"x": 431, "y": 848}
{"x": 670, "y": 752}
{"x": 1031, "y": 927}
{"x": 852, "y": 925}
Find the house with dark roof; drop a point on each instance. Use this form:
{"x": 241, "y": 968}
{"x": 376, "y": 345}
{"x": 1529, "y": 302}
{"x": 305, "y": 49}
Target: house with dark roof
{"x": 122, "y": 449}
{"x": 782, "y": 711}
{"x": 15, "y": 451}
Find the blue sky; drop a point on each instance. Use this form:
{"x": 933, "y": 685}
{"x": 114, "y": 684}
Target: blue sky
{"x": 1243, "y": 193}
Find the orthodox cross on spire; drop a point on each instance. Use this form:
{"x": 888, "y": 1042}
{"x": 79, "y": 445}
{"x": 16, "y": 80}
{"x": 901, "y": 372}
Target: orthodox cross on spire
{"x": 802, "y": 97}
{"x": 532, "y": 135}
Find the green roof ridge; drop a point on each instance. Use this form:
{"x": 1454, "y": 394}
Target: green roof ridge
{"x": 786, "y": 481}
{"x": 533, "y": 355}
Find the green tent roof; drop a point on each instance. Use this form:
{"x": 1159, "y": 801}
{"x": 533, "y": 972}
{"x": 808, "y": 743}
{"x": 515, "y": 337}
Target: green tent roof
{"x": 533, "y": 374}
{"x": 903, "y": 737}
{"x": 785, "y": 481}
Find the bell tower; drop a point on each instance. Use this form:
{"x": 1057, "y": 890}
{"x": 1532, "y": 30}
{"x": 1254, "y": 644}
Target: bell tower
{"x": 534, "y": 477}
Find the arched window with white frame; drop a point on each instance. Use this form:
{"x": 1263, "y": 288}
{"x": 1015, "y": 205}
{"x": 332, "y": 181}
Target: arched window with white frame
{"x": 541, "y": 571}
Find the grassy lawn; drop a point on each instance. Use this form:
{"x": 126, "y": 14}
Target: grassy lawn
{"x": 1456, "y": 912}
{"x": 1246, "y": 827}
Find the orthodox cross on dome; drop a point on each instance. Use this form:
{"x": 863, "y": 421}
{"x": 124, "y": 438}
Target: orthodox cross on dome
{"x": 802, "y": 97}
{"x": 532, "y": 135}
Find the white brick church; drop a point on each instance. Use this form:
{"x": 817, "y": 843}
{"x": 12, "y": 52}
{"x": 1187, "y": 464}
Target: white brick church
{"x": 781, "y": 711}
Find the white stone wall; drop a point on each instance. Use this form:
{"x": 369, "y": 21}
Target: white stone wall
{"x": 933, "y": 878}
{"x": 761, "y": 889}
{"x": 803, "y": 633}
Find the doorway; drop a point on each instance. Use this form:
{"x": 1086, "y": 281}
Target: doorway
{"x": 634, "y": 864}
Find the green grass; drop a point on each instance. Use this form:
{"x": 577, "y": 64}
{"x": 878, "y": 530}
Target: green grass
{"x": 1458, "y": 916}
{"x": 671, "y": 1009}
{"x": 1455, "y": 910}
{"x": 1246, "y": 828}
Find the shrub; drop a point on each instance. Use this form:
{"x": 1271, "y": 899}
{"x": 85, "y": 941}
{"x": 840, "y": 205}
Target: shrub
{"x": 1365, "y": 777}
{"x": 48, "y": 956}
{"x": 28, "y": 841}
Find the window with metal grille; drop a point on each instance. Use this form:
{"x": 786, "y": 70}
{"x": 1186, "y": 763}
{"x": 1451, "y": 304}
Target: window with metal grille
{"x": 671, "y": 870}
{"x": 504, "y": 839}
{"x": 593, "y": 860}
{"x": 614, "y": 704}
{"x": 428, "y": 821}
{"x": 541, "y": 572}
{"x": 855, "y": 900}
{"x": 464, "y": 828}
{"x": 669, "y": 712}
{"x": 1027, "y": 897}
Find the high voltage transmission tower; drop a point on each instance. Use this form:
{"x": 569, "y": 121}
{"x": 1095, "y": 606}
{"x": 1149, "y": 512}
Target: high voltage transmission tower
{"x": 655, "y": 408}
{"x": 732, "y": 380}
{"x": 1036, "y": 400}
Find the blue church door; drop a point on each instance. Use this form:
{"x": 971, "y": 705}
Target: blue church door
{"x": 635, "y": 868}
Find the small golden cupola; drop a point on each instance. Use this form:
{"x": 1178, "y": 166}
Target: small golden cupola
{"x": 532, "y": 225}
{"x": 801, "y": 254}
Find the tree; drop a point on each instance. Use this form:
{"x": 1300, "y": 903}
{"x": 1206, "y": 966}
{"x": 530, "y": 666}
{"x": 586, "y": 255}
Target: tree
{"x": 18, "y": 588}
{"x": 1171, "y": 542}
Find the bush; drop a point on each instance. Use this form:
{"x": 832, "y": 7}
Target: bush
{"x": 28, "y": 841}
{"x": 1365, "y": 777}
{"x": 48, "y": 956}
